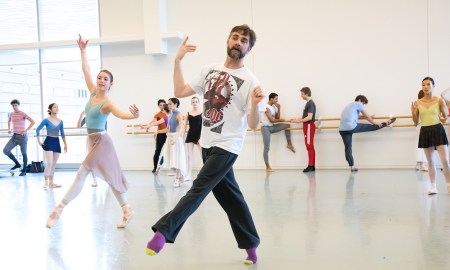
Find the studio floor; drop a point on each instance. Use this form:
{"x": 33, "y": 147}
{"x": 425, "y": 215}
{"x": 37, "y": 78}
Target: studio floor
{"x": 330, "y": 219}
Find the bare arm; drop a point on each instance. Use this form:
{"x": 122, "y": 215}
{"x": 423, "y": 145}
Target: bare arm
{"x": 149, "y": 124}
{"x": 181, "y": 89}
{"x": 444, "y": 110}
{"x": 415, "y": 112}
{"x": 309, "y": 117}
{"x": 443, "y": 94}
{"x": 156, "y": 122}
{"x": 278, "y": 113}
{"x": 270, "y": 117}
{"x": 29, "y": 126}
{"x": 80, "y": 119}
{"x": 82, "y": 44}
{"x": 369, "y": 118}
{"x": 253, "y": 116}
{"x": 181, "y": 127}
{"x": 9, "y": 124}
{"x": 185, "y": 124}
{"x": 65, "y": 145}
{"x": 111, "y": 108}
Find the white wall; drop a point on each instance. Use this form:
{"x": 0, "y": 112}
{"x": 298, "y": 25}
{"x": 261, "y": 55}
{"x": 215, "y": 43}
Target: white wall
{"x": 340, "y": 49}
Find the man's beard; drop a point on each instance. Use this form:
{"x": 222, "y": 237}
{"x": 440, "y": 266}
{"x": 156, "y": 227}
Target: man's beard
{"x": 235, "y": 53}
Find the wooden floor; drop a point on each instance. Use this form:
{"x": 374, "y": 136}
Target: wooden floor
{"x": 330, "y": 219}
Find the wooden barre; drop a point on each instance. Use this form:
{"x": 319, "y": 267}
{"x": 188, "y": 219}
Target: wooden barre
{"x": 67, "y": 135}
{"x": 152, "y": 132}
{"x": 5, "y": 129}
{"x": 318, "y": 119}
{"x": 376, "y": 117}
{"x": 318, "y": 128}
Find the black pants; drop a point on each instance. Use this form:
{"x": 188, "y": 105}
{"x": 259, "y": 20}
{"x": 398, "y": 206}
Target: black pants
{"x": 160, "y": 141}
{"x": 347, "y": 138}
{"x": 217, "y": 176}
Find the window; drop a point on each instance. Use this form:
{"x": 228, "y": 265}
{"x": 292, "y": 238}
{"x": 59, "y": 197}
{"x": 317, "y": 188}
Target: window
{"x": 42, "y": 76}
{"x": 18, "y": 21}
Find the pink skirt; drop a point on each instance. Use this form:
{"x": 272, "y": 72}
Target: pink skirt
{"x": 102, "y": 161}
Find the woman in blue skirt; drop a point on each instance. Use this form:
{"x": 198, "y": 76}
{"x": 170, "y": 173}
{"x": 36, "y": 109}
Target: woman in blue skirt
{"x": 51, "y": 145}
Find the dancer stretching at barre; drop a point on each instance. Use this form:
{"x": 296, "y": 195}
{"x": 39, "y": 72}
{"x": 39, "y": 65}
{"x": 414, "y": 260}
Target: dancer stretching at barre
{"x": 349, "y": 125}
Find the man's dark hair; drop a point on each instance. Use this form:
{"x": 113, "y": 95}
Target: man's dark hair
{"x": 273, "y": 95}
{"x": 246, "y": 31}
{"x": 362, "y": 98}
{"x": 428, "y": 79}
{"x": 166, "y": 108}
{"x": 161, "y": 100}
{"x": 15, "y": 101}
{"x": 175, "y": 101}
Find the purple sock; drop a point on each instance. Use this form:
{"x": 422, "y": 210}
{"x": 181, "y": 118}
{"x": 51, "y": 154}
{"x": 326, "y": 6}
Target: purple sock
{"x": 251, "y": 252}
{"x": 157, "y": 242}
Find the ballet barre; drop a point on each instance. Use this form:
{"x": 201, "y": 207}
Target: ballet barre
{"x": 82, "y": 132}
{"x": 319, "y": 126}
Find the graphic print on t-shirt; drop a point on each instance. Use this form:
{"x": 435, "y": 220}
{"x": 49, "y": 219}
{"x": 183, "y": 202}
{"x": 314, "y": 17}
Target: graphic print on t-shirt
{"x": 220, "y": 87}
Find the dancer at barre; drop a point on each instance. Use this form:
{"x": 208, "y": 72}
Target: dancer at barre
{"x": 160, "y": 134}
{"x": 271, "y": 124}
{"x": 309, "y": 127}
{"x": 432, "y": 112}
{"x": 349, "y": 125}
{"x": 51, "y": 144}
{"x": 101, "y": 159}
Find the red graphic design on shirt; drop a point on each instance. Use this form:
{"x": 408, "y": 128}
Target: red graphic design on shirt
{"x": 220, "y": 87}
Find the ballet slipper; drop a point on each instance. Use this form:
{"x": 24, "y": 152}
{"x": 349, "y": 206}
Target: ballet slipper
{"x": 128, "y": 214}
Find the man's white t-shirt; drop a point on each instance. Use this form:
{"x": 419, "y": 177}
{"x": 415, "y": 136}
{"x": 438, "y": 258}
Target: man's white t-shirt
{"x": 227, "y": 102}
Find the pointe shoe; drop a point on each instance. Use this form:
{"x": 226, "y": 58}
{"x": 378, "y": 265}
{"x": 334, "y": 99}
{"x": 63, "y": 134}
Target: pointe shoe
{"x": 423, "y": 168}
{"x": 157, "y": 169}
{"x": 94, "y": 184}
{"x": 54, "y": 216}
{"x": 54, "y": 185}
{"x": 128, "y": 214}
{"x": 433, "y": 191}
{"x": 291, "y": 147}
{"x": 45, "y": 186}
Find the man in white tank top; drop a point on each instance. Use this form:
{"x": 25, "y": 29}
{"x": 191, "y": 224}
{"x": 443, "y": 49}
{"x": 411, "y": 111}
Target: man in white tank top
{"x": 271, "y": 123}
